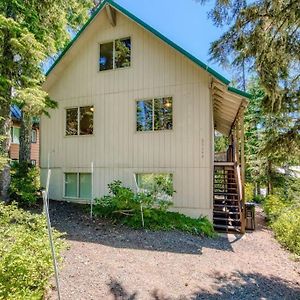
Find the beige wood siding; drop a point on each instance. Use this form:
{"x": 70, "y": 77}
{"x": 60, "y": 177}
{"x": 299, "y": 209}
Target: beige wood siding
{"x": 116, "y": 149}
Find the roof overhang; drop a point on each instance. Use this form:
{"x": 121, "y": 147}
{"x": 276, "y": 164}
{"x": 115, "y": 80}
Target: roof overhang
{"x": 228, "y": 105}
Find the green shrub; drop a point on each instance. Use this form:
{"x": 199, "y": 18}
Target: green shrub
{"x": 25, "y": 183}
{"x": 259, "y": 199}
{"x": 273, "y": 206}
{"x": 284, "y": 219}
{"x": 25, "y": 258}
{"x": 124, "y": 206}
{"x": 287, "y": 228}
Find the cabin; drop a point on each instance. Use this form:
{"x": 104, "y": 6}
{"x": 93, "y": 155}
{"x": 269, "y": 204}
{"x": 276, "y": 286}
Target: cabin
{"x": 135, "y": 105}
{"x": 15, "y": 137}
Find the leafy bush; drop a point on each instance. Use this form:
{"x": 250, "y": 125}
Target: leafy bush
{"x": 124, "y": 206}
{"x": 284, "y": 218}
{"x": 259, "y": 199}
{"x": 287, "y": 228}
{"x": 25, "y": 183}
{"x": 25, "y": 257}
{"x": 273, "y": 206}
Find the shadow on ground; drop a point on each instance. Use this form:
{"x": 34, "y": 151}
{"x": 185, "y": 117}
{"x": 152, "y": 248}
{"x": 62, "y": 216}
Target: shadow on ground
{"x": 76, "y": 223}
{"x": 234, "y": 286}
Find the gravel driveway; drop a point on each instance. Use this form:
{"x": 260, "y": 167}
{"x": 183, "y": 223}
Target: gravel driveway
{"x": 106, "y": 261}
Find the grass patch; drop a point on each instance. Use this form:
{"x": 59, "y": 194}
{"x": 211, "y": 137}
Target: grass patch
{"x": 25, "y": 258}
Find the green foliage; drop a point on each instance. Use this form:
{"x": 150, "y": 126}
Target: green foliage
{"x": 156, "y": 219}
{"x": 25, "y": 183}
{"x": 249, "y": 192}
{"x": 287, "y": 228}
{"x": 221, "y": 142}
{"x": 284, "y": 217}
{"x": 25, "y": 264}
{"x": 123, "y": 201}
{"x": 273, "y": 206}
{"x": 124, "y": 206}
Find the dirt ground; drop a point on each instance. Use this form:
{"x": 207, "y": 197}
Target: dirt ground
{"x": 106, "y": 261}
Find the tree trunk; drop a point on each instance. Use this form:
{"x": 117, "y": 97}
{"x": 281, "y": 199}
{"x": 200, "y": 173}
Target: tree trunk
{"x": 269, "y": 175}
{"x": 25, "y": 138}
{"x": 5, "y": 124}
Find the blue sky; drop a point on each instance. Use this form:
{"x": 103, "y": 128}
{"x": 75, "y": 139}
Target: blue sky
{"x": 185, "y": 22}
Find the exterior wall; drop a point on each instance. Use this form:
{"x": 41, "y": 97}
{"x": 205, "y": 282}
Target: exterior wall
{"x": 35, "y": 149}
{"x": 116, "y": 148}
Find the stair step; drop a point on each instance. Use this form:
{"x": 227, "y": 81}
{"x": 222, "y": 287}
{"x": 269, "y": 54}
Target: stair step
{"x": 227, "y": 194}
{"x": 225, "y": 205}
{"x": 227, "y": 227}
{"x": 226, "y": 219}
{"x": 226, "y": 212}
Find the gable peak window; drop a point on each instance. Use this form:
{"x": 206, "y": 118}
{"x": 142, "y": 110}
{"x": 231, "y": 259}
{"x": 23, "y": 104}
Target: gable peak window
{"x": 80, "y": 120}
{"x": 154, "y": 114}
{"x": 115, "y": 54}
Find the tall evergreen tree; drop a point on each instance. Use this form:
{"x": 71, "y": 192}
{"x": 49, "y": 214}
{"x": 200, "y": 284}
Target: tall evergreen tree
{"x": 264, "y": 36}
{"x": 30, "y": 31}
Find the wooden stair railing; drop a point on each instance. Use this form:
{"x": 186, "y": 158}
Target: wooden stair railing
{"x": 228, "y": 203}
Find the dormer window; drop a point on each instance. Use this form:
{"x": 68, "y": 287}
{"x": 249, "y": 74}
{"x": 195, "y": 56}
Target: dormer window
{"x": 115, "y": 54}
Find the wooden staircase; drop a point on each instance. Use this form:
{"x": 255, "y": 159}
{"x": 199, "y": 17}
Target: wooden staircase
{"x": 228, "y": 204}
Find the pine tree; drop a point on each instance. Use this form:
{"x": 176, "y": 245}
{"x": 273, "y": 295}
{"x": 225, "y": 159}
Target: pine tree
{"x": 264, "y": 36}
{"x": 30, "y": 31}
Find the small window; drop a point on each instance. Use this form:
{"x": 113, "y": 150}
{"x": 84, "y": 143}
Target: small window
{"x": 115, "y": 54}
{"x": 80, "y": 120}
{"x": 15, "y": 135}
{"x": 160, "y": 184}
{"x": 33, "y": 136}
{"x": 155, "y": 114}
{"x": 78, "y": 185}
{"x": 106, "y": 56}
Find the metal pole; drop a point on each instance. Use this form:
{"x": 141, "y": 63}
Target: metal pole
{"x": 46, "y": 211}
{"x": 92, "y": 188}
{"x": 137, "y": 189}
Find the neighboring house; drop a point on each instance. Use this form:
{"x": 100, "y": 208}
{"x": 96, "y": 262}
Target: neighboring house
{"x": 15, "y": 138}
{"x": 136, "y": 105}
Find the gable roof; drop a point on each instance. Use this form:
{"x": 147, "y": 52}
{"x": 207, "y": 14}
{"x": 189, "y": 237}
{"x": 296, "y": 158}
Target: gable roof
{"x": 134, "y": 18}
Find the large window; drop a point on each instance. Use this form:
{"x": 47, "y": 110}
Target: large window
{"x": 115, "y": 54}
{"x": 154, "y": 114}
{"x": 78, "y": 185}
{"x": 160, "y": 184}
{"x": 80, "y": 120}
{"x": 15, "y": 135}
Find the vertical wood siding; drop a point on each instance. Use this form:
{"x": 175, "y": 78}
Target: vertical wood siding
{"x": 118, "y": 151}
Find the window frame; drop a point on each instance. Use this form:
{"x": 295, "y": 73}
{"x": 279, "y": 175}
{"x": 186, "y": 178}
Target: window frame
{"x": 153, "y": 115}
{"x": 153, "y": 173}
{"x": 12, "y": 135}
{"x": 78, "y": 121}
{"x": 77, "y": 185}
{"x": 114, "y": 53}
{"x": 34, "y": 141}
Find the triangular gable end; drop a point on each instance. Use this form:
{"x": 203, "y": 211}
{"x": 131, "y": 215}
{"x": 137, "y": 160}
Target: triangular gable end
{"x": 218, "y": 78}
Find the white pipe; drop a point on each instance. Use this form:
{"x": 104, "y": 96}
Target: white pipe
{"x": 92, "y": 188}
